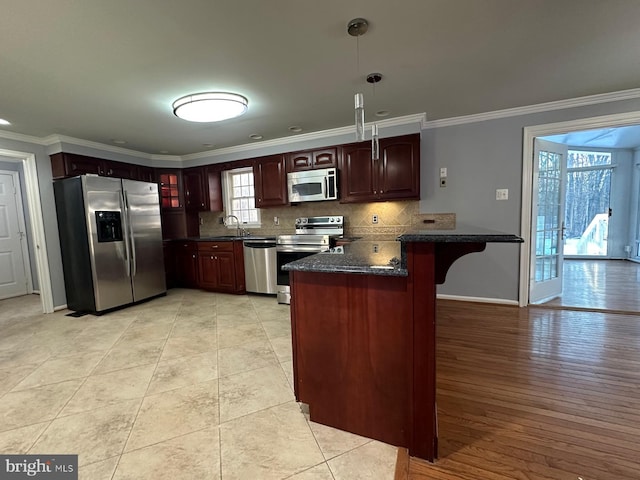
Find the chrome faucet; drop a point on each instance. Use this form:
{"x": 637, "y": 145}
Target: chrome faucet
{"x": 238, "y": 234}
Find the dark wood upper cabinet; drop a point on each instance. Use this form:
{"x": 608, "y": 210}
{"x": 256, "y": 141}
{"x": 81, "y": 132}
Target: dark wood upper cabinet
{"x": 394, "y": 176}
{"x": 196, "y": 197}
{"x": 327, "y": 158}
{"x": 70, "y": 165}
{"x": 64, "y": 165}
{"x": 120, "y": 170}
{"x": 213, "y": 176}
{"x": 299, "y": 161}
{"x": 309, "y": 160}
{"x": 170, "y": 181}
{"x": 399, "y": 168}
{"x": 270, "y": 178}
{"x": 146, "y": 174}
{"x": 358, "y": 173}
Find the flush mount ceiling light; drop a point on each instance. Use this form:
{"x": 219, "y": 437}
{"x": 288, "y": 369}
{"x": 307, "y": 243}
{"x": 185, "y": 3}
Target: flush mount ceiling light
{"x": 210, "y": 107}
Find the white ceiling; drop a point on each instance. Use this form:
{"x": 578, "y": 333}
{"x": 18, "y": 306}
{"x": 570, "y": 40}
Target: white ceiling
{"x": 619, "y": 137}
{"x": 102, "y": 70}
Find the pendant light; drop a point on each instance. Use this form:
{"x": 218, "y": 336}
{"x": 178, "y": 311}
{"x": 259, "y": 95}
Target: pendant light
{"x": 374, "y": 78}
{"x": 356, "y": 28}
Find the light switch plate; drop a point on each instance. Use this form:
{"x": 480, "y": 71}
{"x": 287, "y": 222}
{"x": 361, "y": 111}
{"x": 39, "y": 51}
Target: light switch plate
{"x": 502, "y": 194}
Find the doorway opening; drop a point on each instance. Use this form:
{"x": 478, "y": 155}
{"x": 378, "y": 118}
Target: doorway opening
{"x": 587, "y": 223}
{"x": 34, "y": 207}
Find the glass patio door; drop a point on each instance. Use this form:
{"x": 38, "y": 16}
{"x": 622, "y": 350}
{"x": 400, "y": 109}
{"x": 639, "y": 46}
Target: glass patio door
{"x": 588, "y": 195}
{"x": 547, "y": 220}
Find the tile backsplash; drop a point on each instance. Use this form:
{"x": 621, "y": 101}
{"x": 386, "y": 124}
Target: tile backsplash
{"x": 394, "y": 218}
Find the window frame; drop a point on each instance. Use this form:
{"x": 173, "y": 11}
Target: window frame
{"x": 227, "y": 191}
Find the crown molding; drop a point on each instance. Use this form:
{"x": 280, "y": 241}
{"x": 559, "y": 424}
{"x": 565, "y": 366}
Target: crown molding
{"x": 57, "y": 140}
{"x": 22, "y": 138}
{"x": 538, "y": 108}
{"x": 419, "y": 118}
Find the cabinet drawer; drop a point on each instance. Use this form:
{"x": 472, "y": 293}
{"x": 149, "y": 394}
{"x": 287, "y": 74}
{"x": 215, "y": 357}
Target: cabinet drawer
{"x": 182, "y": 246}
{"x": 215, "y": 246}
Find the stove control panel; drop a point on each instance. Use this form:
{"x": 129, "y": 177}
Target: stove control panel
{"x": 329, "y": 225}
{"x": 320, "y": 221}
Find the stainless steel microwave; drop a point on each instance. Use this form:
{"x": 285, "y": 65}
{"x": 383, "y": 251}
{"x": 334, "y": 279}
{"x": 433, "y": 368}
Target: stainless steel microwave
{"x": 313, "y": 185}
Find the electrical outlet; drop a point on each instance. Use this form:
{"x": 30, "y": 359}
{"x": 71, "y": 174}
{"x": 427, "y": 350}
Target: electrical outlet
{"x": 376, "y": 249}
{"x": 443, "y": 172}
{"x": 276, "y": 221}
{"x": 443, "y": 182}
{"x": 374, "y": 218}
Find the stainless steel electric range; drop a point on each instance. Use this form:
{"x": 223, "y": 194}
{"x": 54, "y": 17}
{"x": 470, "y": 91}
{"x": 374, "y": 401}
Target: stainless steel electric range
{"x": 312, "y": 235}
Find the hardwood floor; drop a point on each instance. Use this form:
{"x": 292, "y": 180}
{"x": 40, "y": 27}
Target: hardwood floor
{"x": 612, "y": 285}
{"x": 534, "y": 393}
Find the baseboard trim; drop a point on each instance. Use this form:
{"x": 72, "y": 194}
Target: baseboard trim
{"x": 460, "y": 298}
{"x": 60, "y": 307}
{"x": 402, "y": 464}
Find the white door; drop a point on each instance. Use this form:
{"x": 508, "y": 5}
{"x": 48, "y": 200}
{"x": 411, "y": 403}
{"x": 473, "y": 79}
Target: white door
{"x": 13, "y": 277}
{"x": 547, "y": 220}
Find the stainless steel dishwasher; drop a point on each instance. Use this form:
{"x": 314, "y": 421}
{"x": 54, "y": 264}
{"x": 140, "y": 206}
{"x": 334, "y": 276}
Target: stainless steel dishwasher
{"x": 260, "y": 268}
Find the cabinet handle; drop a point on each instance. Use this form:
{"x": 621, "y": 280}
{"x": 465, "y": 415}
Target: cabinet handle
{"x": 211, "y": 257}
{"x": 193, "y": 256}
{"x": 214, "y": 246}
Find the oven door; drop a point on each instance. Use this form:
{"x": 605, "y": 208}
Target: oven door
{"x": 286, "y": 255}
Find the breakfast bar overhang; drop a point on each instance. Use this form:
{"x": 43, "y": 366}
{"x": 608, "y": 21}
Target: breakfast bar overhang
{"x": 364, "y": 333}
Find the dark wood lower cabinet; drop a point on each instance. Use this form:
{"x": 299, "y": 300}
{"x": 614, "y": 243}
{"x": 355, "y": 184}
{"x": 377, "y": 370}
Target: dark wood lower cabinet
{"x": 215, "y": 266}
{"x": 185, "y": 264}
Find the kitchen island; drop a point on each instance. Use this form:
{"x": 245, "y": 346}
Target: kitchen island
{"x": 363, "y": 328}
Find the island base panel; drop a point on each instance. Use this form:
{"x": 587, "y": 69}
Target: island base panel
{"x": 353, "y": 352}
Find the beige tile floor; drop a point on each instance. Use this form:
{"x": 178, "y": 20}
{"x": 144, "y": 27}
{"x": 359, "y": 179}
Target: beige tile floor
{"x": 194, "y": 385}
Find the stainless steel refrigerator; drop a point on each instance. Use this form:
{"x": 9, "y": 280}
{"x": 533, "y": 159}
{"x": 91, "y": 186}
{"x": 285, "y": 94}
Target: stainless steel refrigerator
{"x": 111, "y": 241}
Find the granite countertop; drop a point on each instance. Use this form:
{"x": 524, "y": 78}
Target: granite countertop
{"x": 225, "y": 238}
{"x": 388, "y": 257}
{"x": 460, "y": 234}
{"x": 362, "y": 256}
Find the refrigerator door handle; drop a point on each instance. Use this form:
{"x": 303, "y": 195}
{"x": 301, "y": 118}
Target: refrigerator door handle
{"x": 130, "y": 235}
{"x": 125, "y": 225}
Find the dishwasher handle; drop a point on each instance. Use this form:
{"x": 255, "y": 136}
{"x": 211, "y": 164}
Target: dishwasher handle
{"x": 259, "y": 244}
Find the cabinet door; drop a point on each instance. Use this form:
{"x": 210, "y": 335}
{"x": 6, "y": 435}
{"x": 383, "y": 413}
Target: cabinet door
{"x": 299, "y": 161}
{"x": 226, "y": 274}
{"x": 120, "y": 170}
{"x": 194, "y": 191}
{"x": 146, "y": 174}
{"x": 170, "y": 189}
{"x": 185, "y": 264}
{"x": 358, "y": 174}
{"x": 214, "y": 187}
{"x": 327, "y": 158}
{"x": 399, "y": 168}
{"x": 270, "y": 181}
{"x": 207, "y": 271}
{"x": 70, "y": 165}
